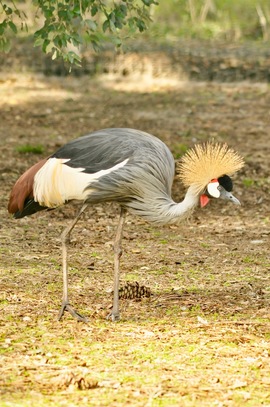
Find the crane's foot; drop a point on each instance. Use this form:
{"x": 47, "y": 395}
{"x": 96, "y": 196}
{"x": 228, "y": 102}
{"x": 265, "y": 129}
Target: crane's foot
{"x": 114, "y": 316}
{"x": 66, "y": 307}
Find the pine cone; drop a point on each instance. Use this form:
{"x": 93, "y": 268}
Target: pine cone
{"x": 133, "y": 291}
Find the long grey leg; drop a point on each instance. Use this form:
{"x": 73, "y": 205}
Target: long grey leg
{"x": 115, "y": 315}
{"x": 65, "y": 236}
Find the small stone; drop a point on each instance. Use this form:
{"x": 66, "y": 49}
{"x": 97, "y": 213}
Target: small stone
{"x": 27, "y": 319}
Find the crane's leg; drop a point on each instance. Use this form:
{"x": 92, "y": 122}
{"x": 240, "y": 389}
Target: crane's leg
{"x": 65, "y": 236}
{"x": 115, "y": 315}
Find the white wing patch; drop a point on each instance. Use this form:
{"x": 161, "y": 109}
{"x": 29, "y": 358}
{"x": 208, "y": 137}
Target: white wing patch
{"x": 55, "y": 183}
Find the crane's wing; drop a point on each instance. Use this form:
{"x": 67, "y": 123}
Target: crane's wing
{"x": 119, "y": 164}
{"x": 103, "y": 149}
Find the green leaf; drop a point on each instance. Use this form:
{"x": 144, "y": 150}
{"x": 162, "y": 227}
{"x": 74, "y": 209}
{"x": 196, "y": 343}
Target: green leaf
{"x": 76, "y": 40}
{"x": 73, "y": 58}
{"x": 77, "y": 10}
{"x": 149, "y": 2}
{"x": 112, "y": 25}
{"x": 17, "y": 12}
{"x": 65, "y": 15}
{"x": 96, "y": 46}
{"x": 123, "y": 9}
{"x": 94, "y": 10}
{"x": 45, "y": 45}
{"x": 116, "y": 41}
{"x": 105, "y": 25}
{"x": 48, "y": 12}
{"x": 24, "y": 26}
{"x": 60, "y": 41}
{"x": 91, "y": 24}
{"x": 38, "y": 42}
{"x": 5, "y": 44}
{"x": 141, "y": 25}
{"x": 13, "y": 27}
{"x": 3, "y": 26}
{"x": 8, "y": 10}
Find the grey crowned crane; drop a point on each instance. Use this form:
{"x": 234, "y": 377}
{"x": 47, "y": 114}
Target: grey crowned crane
{"x": 132, "y": 168}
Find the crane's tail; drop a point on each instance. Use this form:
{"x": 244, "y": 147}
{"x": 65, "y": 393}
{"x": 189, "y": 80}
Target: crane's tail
{"x": 30, "y": 207}
{"x": 21, "y": 200}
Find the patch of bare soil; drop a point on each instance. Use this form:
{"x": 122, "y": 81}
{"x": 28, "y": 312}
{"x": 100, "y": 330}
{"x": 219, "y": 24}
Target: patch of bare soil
{"x": 213, "y": 266}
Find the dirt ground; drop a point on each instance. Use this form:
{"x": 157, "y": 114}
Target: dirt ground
{"x": 208, "y": 276}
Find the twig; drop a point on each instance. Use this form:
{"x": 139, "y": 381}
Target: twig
{"x": 208, "y": 5}
{"x": 192, "y": 11}
{"x": 263, "y": 21}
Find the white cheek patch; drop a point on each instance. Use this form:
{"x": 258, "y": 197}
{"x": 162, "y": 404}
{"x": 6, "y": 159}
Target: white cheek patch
{"x": 213, "y": 190}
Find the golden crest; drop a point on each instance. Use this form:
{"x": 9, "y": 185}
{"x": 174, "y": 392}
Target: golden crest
{"x": 208, "y": 161}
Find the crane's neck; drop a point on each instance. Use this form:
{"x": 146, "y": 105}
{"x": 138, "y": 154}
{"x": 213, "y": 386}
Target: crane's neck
{"x": 161, "y": 209}
{"x": 183, "y": 209}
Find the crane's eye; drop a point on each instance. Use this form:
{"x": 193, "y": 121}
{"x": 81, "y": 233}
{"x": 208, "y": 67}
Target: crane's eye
{"x": 213, "y": 189}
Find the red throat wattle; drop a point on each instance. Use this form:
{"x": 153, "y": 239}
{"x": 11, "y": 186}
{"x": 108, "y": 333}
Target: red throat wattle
{"x": 204, "y": 200}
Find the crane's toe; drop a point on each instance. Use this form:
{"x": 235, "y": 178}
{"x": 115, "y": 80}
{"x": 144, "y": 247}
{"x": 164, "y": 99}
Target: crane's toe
{"x": 66, "y": 307}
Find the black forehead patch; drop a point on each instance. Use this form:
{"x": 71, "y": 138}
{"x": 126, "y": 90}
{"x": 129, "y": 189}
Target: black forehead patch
{"x": 226, "y": 182}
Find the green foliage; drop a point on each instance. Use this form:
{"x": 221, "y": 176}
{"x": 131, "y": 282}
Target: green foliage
{"x": 179, "y": 149}
{"x": 66, "y": 24}
{"x": 28, "y": 148}
{"x": 248, "y": 182}
{"x": 212, "y": 19}
{"x": 7, "y": 24}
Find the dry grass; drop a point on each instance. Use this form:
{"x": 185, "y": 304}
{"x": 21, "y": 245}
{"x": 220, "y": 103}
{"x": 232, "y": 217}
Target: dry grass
{"x": 202, "y": 339}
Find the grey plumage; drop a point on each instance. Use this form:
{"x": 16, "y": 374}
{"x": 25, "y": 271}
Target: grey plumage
{"x": 143, "y": 184}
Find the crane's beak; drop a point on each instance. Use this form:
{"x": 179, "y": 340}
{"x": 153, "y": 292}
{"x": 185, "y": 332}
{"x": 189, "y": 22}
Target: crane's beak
{"x": 228, "y": 196}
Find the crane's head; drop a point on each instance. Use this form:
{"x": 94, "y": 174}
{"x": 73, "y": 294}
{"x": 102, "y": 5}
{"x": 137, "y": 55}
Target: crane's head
{"x": 219, "y": 188}
{"x": 207, "y": 168}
